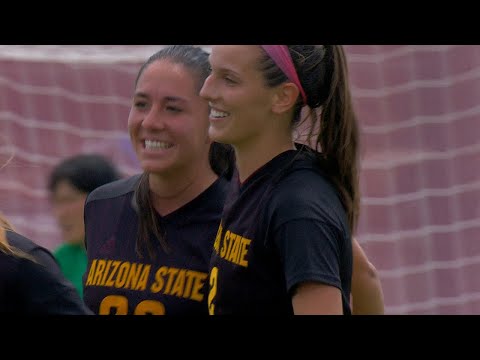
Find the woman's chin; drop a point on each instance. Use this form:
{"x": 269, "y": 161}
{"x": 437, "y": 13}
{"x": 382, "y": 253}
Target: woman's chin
{"x": 155, "y": 166}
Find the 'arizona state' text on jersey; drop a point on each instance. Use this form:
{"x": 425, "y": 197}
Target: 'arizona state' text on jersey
{"x": 118, "y": 281}
{"x": 283, "y": 226}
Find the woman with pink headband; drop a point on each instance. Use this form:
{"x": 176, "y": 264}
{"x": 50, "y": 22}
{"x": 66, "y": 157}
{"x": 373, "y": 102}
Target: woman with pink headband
{"x": 284, "y": 244}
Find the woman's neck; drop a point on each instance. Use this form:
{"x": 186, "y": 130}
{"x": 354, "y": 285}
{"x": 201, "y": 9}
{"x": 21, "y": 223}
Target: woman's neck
{"x": 171, "y": 192}
{"x": 253, "y": 155}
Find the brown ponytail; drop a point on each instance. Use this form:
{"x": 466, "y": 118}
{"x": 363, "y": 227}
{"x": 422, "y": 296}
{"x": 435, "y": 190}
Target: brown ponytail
{"x": 339, "y": 138}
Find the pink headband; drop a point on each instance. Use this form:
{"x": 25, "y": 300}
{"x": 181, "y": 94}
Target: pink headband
{"x": 282, "y": 58}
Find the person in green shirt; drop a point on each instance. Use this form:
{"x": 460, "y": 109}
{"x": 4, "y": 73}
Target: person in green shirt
{"x": 69, "y": 184}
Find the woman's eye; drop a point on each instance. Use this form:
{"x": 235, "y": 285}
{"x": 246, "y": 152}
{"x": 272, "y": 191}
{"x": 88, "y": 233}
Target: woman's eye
{"x": 140, "y": 104}
{"x": 173, "y": 109}
{"x": 230, "y": 80}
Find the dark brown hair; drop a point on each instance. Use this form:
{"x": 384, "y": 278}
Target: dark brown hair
{"x": 85, "y": 172}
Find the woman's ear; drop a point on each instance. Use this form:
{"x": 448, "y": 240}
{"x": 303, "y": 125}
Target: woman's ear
{"x": 285, "y": 97}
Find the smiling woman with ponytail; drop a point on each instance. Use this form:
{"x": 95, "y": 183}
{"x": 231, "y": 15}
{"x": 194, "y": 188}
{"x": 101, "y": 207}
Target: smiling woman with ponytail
{"x": 284, "y": 245}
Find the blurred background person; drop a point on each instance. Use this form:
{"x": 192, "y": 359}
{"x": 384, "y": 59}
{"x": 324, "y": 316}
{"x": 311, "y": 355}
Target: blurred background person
{"x": 69, "y": 183}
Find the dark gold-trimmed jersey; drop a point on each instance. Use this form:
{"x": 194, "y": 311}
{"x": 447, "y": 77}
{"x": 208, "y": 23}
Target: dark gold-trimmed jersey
{"x": 119, "y": 281}
{"x": 283, "y": 226}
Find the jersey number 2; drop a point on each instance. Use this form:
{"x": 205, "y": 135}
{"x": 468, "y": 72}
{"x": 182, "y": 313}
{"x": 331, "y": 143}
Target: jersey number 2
{"x": 213, "y": 290}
